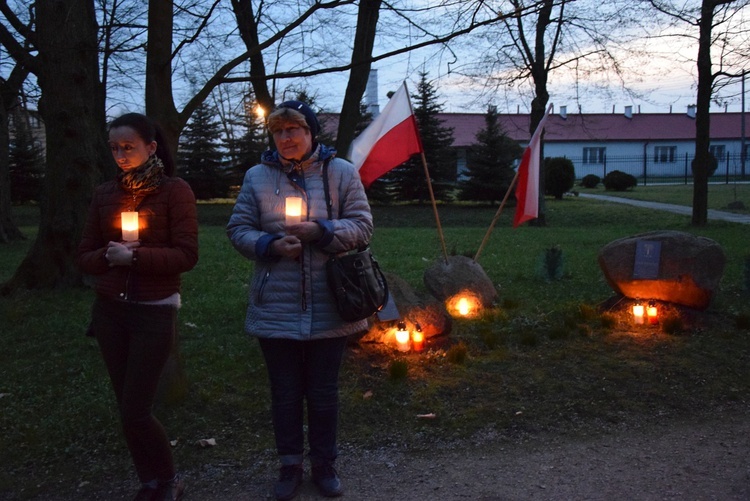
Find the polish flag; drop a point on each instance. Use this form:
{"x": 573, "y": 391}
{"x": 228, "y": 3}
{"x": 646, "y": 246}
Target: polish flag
{"x": 527, "y": 189}
{"x": 390, "y": 140}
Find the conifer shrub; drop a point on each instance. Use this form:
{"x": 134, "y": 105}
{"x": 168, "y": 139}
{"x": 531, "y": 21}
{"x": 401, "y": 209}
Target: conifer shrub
{"x": 398, "y": 369}
{"x": 559, "y": 176}
{"x": 457, "y": 353}
{"x": 619, "y": 181}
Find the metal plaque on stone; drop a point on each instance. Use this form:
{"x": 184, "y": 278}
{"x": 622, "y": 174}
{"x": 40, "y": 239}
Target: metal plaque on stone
{"x": 647, "y": 256}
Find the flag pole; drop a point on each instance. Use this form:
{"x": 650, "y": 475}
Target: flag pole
{"x": 497, "y": 216}
{"x": 434, "y": 207}
{"x": 429, "y": 187}
{"x": 537, "y": 132}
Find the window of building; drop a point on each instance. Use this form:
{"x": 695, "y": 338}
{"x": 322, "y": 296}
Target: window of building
{"x": 664, "y": 154}
{"x": 594, "y": 155}
{"x": 719, "y": 151}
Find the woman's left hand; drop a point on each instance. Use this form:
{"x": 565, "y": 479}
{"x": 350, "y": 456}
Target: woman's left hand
{"x": 306, "y": 231}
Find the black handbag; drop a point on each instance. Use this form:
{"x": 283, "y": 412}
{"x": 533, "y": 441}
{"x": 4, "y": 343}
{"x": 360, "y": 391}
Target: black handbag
{"x": 355, "y": 279}
{"x": 357, "y": 283}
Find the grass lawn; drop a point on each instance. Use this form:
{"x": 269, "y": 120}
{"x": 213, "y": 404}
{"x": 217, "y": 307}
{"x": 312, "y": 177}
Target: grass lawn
{"x": 720, "y": 196}
{"x": 554, "y": 356}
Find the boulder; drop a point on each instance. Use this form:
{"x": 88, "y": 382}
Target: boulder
{"x": 446, "y": 278}
{"x": 683, "y": 269}
{"x": 414, "y": 308}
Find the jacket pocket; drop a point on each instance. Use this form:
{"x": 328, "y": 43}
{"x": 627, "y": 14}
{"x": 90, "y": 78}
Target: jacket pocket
{"x": 261, "y": 286}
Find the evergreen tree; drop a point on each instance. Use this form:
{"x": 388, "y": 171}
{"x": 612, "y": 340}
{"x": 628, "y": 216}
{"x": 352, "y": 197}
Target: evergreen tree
{"x": 489, "y": 169}
{"x": 26, "y": 162}
{"x": 245, "y": 150}
{"x": 409, "y": 179}
{"x": 199, "y": 154}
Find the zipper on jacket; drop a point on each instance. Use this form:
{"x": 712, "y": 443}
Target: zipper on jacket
{"x": 127, "y": 286}
{"x": 302, "y": 280}
{"x": 259, "y": 296}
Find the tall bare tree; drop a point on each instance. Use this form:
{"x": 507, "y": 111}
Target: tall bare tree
{"x": 721, "y": 29}
{"x": 542, "y": 38}
{"x": 62, "y": 53}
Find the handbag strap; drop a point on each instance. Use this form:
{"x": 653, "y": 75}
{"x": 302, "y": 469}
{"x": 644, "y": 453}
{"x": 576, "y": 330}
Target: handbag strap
{"x": 326, "y": 187}
{"x": 329, "y": 204}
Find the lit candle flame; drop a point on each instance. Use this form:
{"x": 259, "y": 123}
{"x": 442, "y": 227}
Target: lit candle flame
{"x": 463, "y": 306}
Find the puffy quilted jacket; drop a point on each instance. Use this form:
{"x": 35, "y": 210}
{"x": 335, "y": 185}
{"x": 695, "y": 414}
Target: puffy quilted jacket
{"x": 168, "y": 233}
{"x": 289, "y": 298}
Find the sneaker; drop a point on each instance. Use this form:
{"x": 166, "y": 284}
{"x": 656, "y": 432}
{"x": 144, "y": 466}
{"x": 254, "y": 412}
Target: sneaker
{"x": 290, "y": 478}
{"x": 170, "y": 491}
{"x": 327, "y": 480}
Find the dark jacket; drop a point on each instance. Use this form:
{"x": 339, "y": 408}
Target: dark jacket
{"x": 169, "y": 240}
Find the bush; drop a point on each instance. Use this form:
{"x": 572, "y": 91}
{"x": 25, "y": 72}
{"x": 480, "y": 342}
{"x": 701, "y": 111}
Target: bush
{"x": 619, "y": 181}
{"x": 590, "y": 181}
{"x": 559, "y": 176}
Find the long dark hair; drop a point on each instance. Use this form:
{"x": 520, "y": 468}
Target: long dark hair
{"x": 148, "y": 130}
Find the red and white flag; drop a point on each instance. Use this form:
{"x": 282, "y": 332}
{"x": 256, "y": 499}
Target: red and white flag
{"x": 390, "y": 140}
{"x": 527, "y": 189}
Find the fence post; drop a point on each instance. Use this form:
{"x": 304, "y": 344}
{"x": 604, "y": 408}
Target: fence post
{"x": 686, "y": 167}
{"x": 727, "y": 162}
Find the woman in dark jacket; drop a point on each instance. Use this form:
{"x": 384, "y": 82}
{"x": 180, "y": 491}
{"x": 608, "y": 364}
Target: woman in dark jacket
{"x": 290, "y": 309}
{"x": 138, "y": 286}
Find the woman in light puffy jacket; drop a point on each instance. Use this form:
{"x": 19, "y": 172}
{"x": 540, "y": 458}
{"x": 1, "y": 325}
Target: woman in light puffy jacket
{"x": 290, "y": 309}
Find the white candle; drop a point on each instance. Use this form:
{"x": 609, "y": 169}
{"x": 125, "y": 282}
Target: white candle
{"x": 402, "y": 337}
{"x": 129, "y": 226}
{"x": 638, "y": 313}
{"x": 293, "y": 210}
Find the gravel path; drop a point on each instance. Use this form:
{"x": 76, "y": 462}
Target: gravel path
{"x": 701, "y": 460}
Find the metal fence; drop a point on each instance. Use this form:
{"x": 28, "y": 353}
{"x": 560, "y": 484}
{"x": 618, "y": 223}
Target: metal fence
{"x": 650, "y": 170}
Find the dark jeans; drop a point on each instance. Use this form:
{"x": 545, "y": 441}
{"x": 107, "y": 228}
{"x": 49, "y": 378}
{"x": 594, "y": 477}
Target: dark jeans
{"x": 135, "y": 342}
{"x": 298, "y": 371}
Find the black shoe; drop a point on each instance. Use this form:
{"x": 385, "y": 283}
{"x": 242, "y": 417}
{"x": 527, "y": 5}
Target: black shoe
{"x": 327, "y": 480}
{"x": 146, "y": 493}
{"x": 170, "y": 491}
{"x": 290, "y": 478}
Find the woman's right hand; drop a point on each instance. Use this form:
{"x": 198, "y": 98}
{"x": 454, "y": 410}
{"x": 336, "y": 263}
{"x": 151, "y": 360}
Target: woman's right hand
{"x": 287, "y": 246}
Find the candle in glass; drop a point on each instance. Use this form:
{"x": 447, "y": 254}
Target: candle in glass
{"x": 293, "y": 210}
{"x": 129, "y": 226}
{"x": 652, "y": 313}
{"x": 417, "y": 339}
{"x": 638, "y": 313}
{"x": 402, "y": 337}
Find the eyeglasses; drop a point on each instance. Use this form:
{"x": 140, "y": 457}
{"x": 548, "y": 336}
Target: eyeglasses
{"x": 292, "y": 131}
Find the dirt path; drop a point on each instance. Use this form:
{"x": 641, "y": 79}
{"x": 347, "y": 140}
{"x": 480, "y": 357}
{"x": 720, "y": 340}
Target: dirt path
{"x": 699, "y": 460}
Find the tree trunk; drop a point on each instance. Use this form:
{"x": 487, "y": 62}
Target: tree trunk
{"x": 76, "y": 148}
{"x": 702, "y": 161}
{"x": 243, "y": 11}
{"x": 539, "y": 73}
{"x": 364, "y": 40}
{"x": 159, "y": 97}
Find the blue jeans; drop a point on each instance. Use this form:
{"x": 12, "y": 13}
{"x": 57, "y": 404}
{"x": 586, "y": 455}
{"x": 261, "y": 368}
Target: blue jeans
{"x": 299, "y": 371}
{"x": 135, "y": 341}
